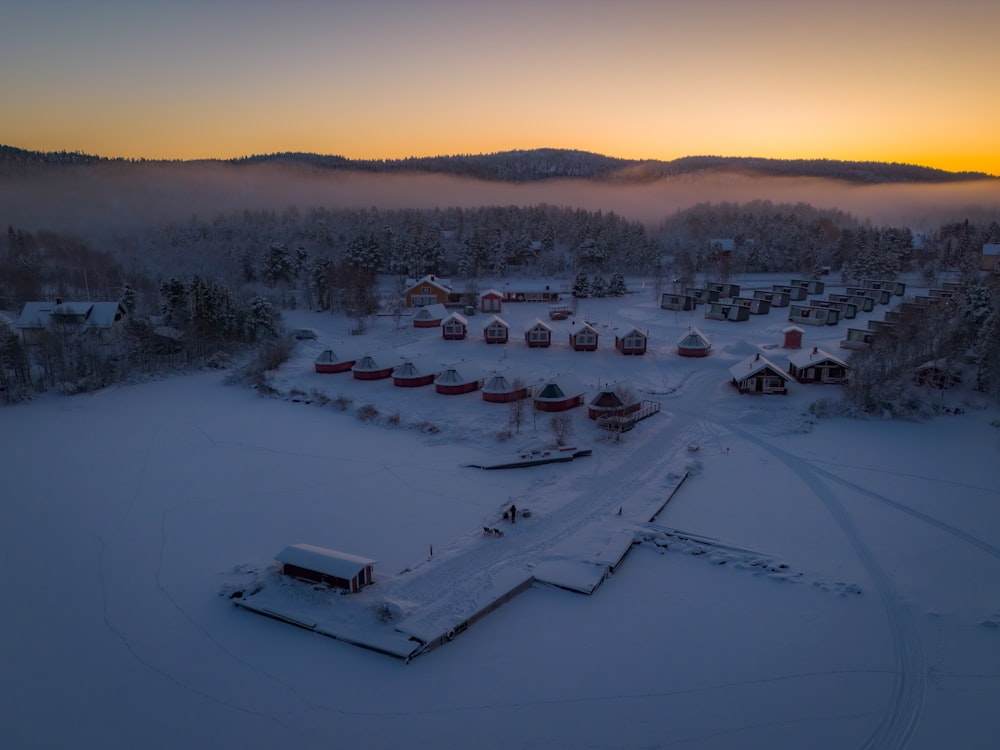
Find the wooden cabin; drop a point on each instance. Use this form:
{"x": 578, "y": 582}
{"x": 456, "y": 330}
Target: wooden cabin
{"x": 499, "y": 389}
{"x": 813, "y": 316}
{"x": 367, "y": 368}
{"x": 727, "y": 311}
{"x": 813, "y": 286}
{"x": 937, "y": 374}
{"x": 559, "y": 394}
{"x": 429, "y": 290}
{"x": 881, "y": 296}
{"x": 677, "y": 302}
{"x": 584, "y": 338}
{"x": 496, "y": 331}
{"x": 694, "y": 344}
{"x": 455, "y": 327}
{"x": 754, "y": 305}
{"x": 702, "y": 296}
{"x": 864, "y": 303}
{"x": 329, "y": 362}
{"x": 407, "y": 375}
{"x": 795, "y": 293}
{"x": 632, "y": 341}
{"x": 429, "y": 316}
{"x": 451, "y": 381}
{"x": 724, "y": 289}
{"x": 538, "y": 335}
{"x": 99, "y": 319}
{"x": 759, "y": 375}
{"x": 857, "y": 339}
{"x": 777, "y": 299}
{"x": 613, "y": 400}
{"x": 491, "y": 301}
{"x": 847, "y": 310}
{"x": 817, "y": 366}
{"x": 793, "y": 337}
{"x": 320, "y": 565}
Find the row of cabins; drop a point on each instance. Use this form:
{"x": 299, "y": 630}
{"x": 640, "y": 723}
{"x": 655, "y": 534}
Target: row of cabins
{"x": 760, "y": 375}
{"x": 431, "y": 290}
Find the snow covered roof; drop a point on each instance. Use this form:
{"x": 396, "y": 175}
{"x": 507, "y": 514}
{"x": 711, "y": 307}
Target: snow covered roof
{"x": 792, "y": 329}
{"x": 585, "y": 328}
{"x": 94, "y": 314}
{"x": 694, "y": 339}
{"x": 539, "y": 323}
{"x": 560, "y": 388}
{"x": 327, "y": 561}
{"x": 991, "y": 248}
{"x": 431, "y": 280}
{"x": 366, "y": 364}
{"x": 754, "y": 365}
{"x": 458, "y": 318}
{"x": 496, "y": 319}
{"x": 452, "y": 376}
{"x": 499, "y": 384}
{"x": 491, "y": 293}
{"x": 407, "y": 370}
{"x": 430, "y": 312}
{"x": 807, "y": 357}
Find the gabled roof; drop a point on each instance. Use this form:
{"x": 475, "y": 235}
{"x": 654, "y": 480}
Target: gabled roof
{"x": 458, "y": 317}
{"x": 496, "y": 319}
{"x": 754, "y": 365}
{"x": 584, "y": 328}
{"x": 429, "y": 280}
{"x": 694, "y": 339}
{"x": 627, "y": 329}
{"x": 792, "y": 329}
{"x": 95, "y": 314}
{"x": 327, "y": 561}
{"x": 539, "y": 323}
{"x": 814, "y": 356}
{"x": 490, "y": 293}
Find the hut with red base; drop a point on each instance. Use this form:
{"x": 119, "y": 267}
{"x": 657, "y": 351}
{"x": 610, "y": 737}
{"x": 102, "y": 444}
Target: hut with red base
{"x": 613, "y": 400}
{"x": 453, "y": 381}
{"x": 793, "y": 337}
{"x": 407, "y": 375}
{"x": 429, "y": 316}
{"x": 538, "y": 335}
{"x": 694, "y": 344}
{"x": 499, "y": 389}
{"x": 559, "y": 394}
{"x": 496, "y": 331}
{"x": 454, "y": 327}
{"x": 631, "y": 341}
{"x": 367, "y": 368}
{"x": 584, "y": 338}
{"x": 328, "y": 362}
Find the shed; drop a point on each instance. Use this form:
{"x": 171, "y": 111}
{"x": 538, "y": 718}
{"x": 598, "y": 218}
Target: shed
{"x": 496, "y": 331}
{"x": 367, "y": 368}
{"x": 500, "y": 389}
{"x": 755, "y": 305}
{"x": 631, "y": 341}
{"x": 583, "y": 338}
{"x": 724, "y": 288}
{"x": 407, "y": 375}
{"x": 857, "y": 339}
{"x": 727, "y": 311}
{"x": 793, "y": 337}
{"x": 813, "y": 286}
{"x": 813, "y": 316}
{"x": 328, "y": 362}
{"x": 702, "y": 296}
{"x": 454, "y": 327}
{"x": 559, "y": 394}
{"x": 846, "y": 310}
{"x": 539, "y": 334}
{"x": 613, "y": 400}
{"x": 881, "y": 296}
{"x": 429, "y": 316}
{"x": 452, "y": 381}
{"x": 321, "y": 565}
{"x": 817, "y": 366}
{"x": 795, "y": 293}
{"x": 777, "y": 299}
{"x": 678, "y": 302}
{"x": 864, "y": 303}
{"x": 491, "y": 301}
{"x": 694, "y": 344}
{"x": 759, "y": 375}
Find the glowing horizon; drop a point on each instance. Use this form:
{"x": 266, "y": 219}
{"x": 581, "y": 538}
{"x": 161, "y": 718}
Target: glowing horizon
{"x": 886, "y": 81}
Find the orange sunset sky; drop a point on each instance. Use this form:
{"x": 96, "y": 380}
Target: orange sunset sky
{"x": 884, "y": 80}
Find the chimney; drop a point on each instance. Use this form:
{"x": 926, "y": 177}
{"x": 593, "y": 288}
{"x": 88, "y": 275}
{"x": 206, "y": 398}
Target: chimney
{"x": 815, "y": 350}
{"x": 756, "y": 356}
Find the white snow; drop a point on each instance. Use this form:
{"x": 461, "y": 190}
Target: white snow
{"x": 821, "y": 584}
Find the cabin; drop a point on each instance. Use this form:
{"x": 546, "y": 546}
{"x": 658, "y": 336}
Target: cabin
{"x": 990, "y": 258}
{"x": 538, "y": 335}
{"x": 813, "y": 316}
{"x": 724, "y": 289}
{"x": 95, "y": 318}
{"x": 491, "y": 301}
{"x": 694, "y": 344}
{"x": 559, "y": 394}
{"x": 455, "y": 327}
{"x": 632, "y": 341}
{"x": 759, "y": 375}
{"x": 319, "y": 565}
{"x": 367, "y": 368}
{"x": 847, "y": 310}
{"x": 429, "y": 290}
{"x": 328, "y": 362}
{"x": 817, "y": 366}
{"x": 677, "y": 302}
{"x": 777, "y": 299}
{"x": 795, "y": 293}
{"x": 583, "y": 338}
{"x": 702, "y": 296}
{"x": 727, "y": 311}
{"x": 496, "y": 331}
{"x": 408, "y": 375}
{"x": 881, "y": 296}
{"x": 754, "y": 305}
{"x": 937, "y": 374}
{"x": 613, "y": 400}
{"x": 499, "y": 389}
{"x": 813, "y": 286}
{"x": 793, "y": 337}
{"x": 857, "y": 339}
{"x": 895, "y": 288}
{"x": 451, "y": 381}
{"x": 429, "y": 316}
{"x": 863, "y": 303}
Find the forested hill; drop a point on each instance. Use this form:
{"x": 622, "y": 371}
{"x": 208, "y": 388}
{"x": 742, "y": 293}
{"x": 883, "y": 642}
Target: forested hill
{"x": 542, "y": 164}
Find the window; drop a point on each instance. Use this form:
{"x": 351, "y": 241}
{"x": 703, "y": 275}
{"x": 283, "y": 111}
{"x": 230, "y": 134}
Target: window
{"x": 538, "y": 334}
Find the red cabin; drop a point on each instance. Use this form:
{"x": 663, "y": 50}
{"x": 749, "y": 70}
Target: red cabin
{"x": 793, "y": 337}
{"x": 454, "y": 327}
{"x": 584, "y": 338}
{"x": 496, "y": 331}
{"x": 633, "y": 341}
{"x": 538, "y": 335}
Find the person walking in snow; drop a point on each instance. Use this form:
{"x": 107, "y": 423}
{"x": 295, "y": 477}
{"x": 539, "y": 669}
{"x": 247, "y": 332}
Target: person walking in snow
{"x": 513, "y": 513}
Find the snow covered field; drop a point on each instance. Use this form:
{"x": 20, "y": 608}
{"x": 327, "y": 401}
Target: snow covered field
{"x": 845, "y": 595}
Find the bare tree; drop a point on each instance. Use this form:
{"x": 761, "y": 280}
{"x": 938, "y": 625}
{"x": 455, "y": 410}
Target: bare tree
{"x": 516, "y": 408}
{"x": 562, "y": 428}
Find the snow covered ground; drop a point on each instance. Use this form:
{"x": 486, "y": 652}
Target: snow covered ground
{"x": 822, "y": 584}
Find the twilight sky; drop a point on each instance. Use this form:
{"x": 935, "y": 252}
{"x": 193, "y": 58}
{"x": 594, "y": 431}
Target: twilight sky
{"x": 888, "y": 80}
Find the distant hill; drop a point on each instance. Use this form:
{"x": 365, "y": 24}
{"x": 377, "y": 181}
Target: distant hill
{"x": 547, "y": 163}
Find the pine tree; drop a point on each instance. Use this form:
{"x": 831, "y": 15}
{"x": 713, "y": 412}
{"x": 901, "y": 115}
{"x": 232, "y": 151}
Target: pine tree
{"x": 581, "y": 285}
{"x": 617, "y": 286}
